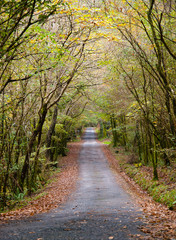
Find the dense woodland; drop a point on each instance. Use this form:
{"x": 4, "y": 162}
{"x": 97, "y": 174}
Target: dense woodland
{"x": 69, "y": 64}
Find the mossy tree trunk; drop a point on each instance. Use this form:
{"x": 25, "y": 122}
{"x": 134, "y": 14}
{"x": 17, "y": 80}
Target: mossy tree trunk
{"x": 49, "y": 152}
{"x": 114, "y": 130}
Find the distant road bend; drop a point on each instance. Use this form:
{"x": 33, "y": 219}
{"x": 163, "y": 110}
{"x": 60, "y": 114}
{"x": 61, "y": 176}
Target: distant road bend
{"x": 99, "y": 209}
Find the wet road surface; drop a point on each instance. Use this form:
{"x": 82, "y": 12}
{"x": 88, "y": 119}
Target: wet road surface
{"x": 98, "y": 210}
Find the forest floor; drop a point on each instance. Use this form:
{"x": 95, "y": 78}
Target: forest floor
{"x": 55, "y": 193}
{"x": 161, "y": 222}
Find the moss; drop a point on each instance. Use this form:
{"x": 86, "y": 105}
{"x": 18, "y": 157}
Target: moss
{"x": 168, "y": 197}
{"x": 107, "y": 142}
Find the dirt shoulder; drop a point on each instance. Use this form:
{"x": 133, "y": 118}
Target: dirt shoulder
{"x": 160, "y": 221}
{"x": 56, "y": 192}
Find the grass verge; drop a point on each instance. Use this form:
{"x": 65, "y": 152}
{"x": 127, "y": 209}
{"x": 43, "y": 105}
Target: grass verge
{"x": 162, "y": 191}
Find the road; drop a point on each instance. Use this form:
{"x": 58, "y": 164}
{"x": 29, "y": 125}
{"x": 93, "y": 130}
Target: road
{"x": 99, "y": 209}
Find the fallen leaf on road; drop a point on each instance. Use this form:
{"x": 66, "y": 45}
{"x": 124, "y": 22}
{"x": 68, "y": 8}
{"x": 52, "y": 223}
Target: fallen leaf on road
{"x": 83, "y": 222}
{"x": 110, "y": 238}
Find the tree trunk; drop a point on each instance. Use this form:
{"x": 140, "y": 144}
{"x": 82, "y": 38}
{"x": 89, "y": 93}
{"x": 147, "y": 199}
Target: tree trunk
{"x": 50, "y": 132}
{"x": 36, "y": 131}
{"x": 114, "y": 131}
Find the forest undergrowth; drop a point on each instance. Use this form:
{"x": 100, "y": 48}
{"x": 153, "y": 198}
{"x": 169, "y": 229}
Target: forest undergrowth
{"x": 59, "y": 186}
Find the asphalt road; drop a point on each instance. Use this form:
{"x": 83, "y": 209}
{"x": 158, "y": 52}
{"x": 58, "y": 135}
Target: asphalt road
{"x": 98, "y": 210}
